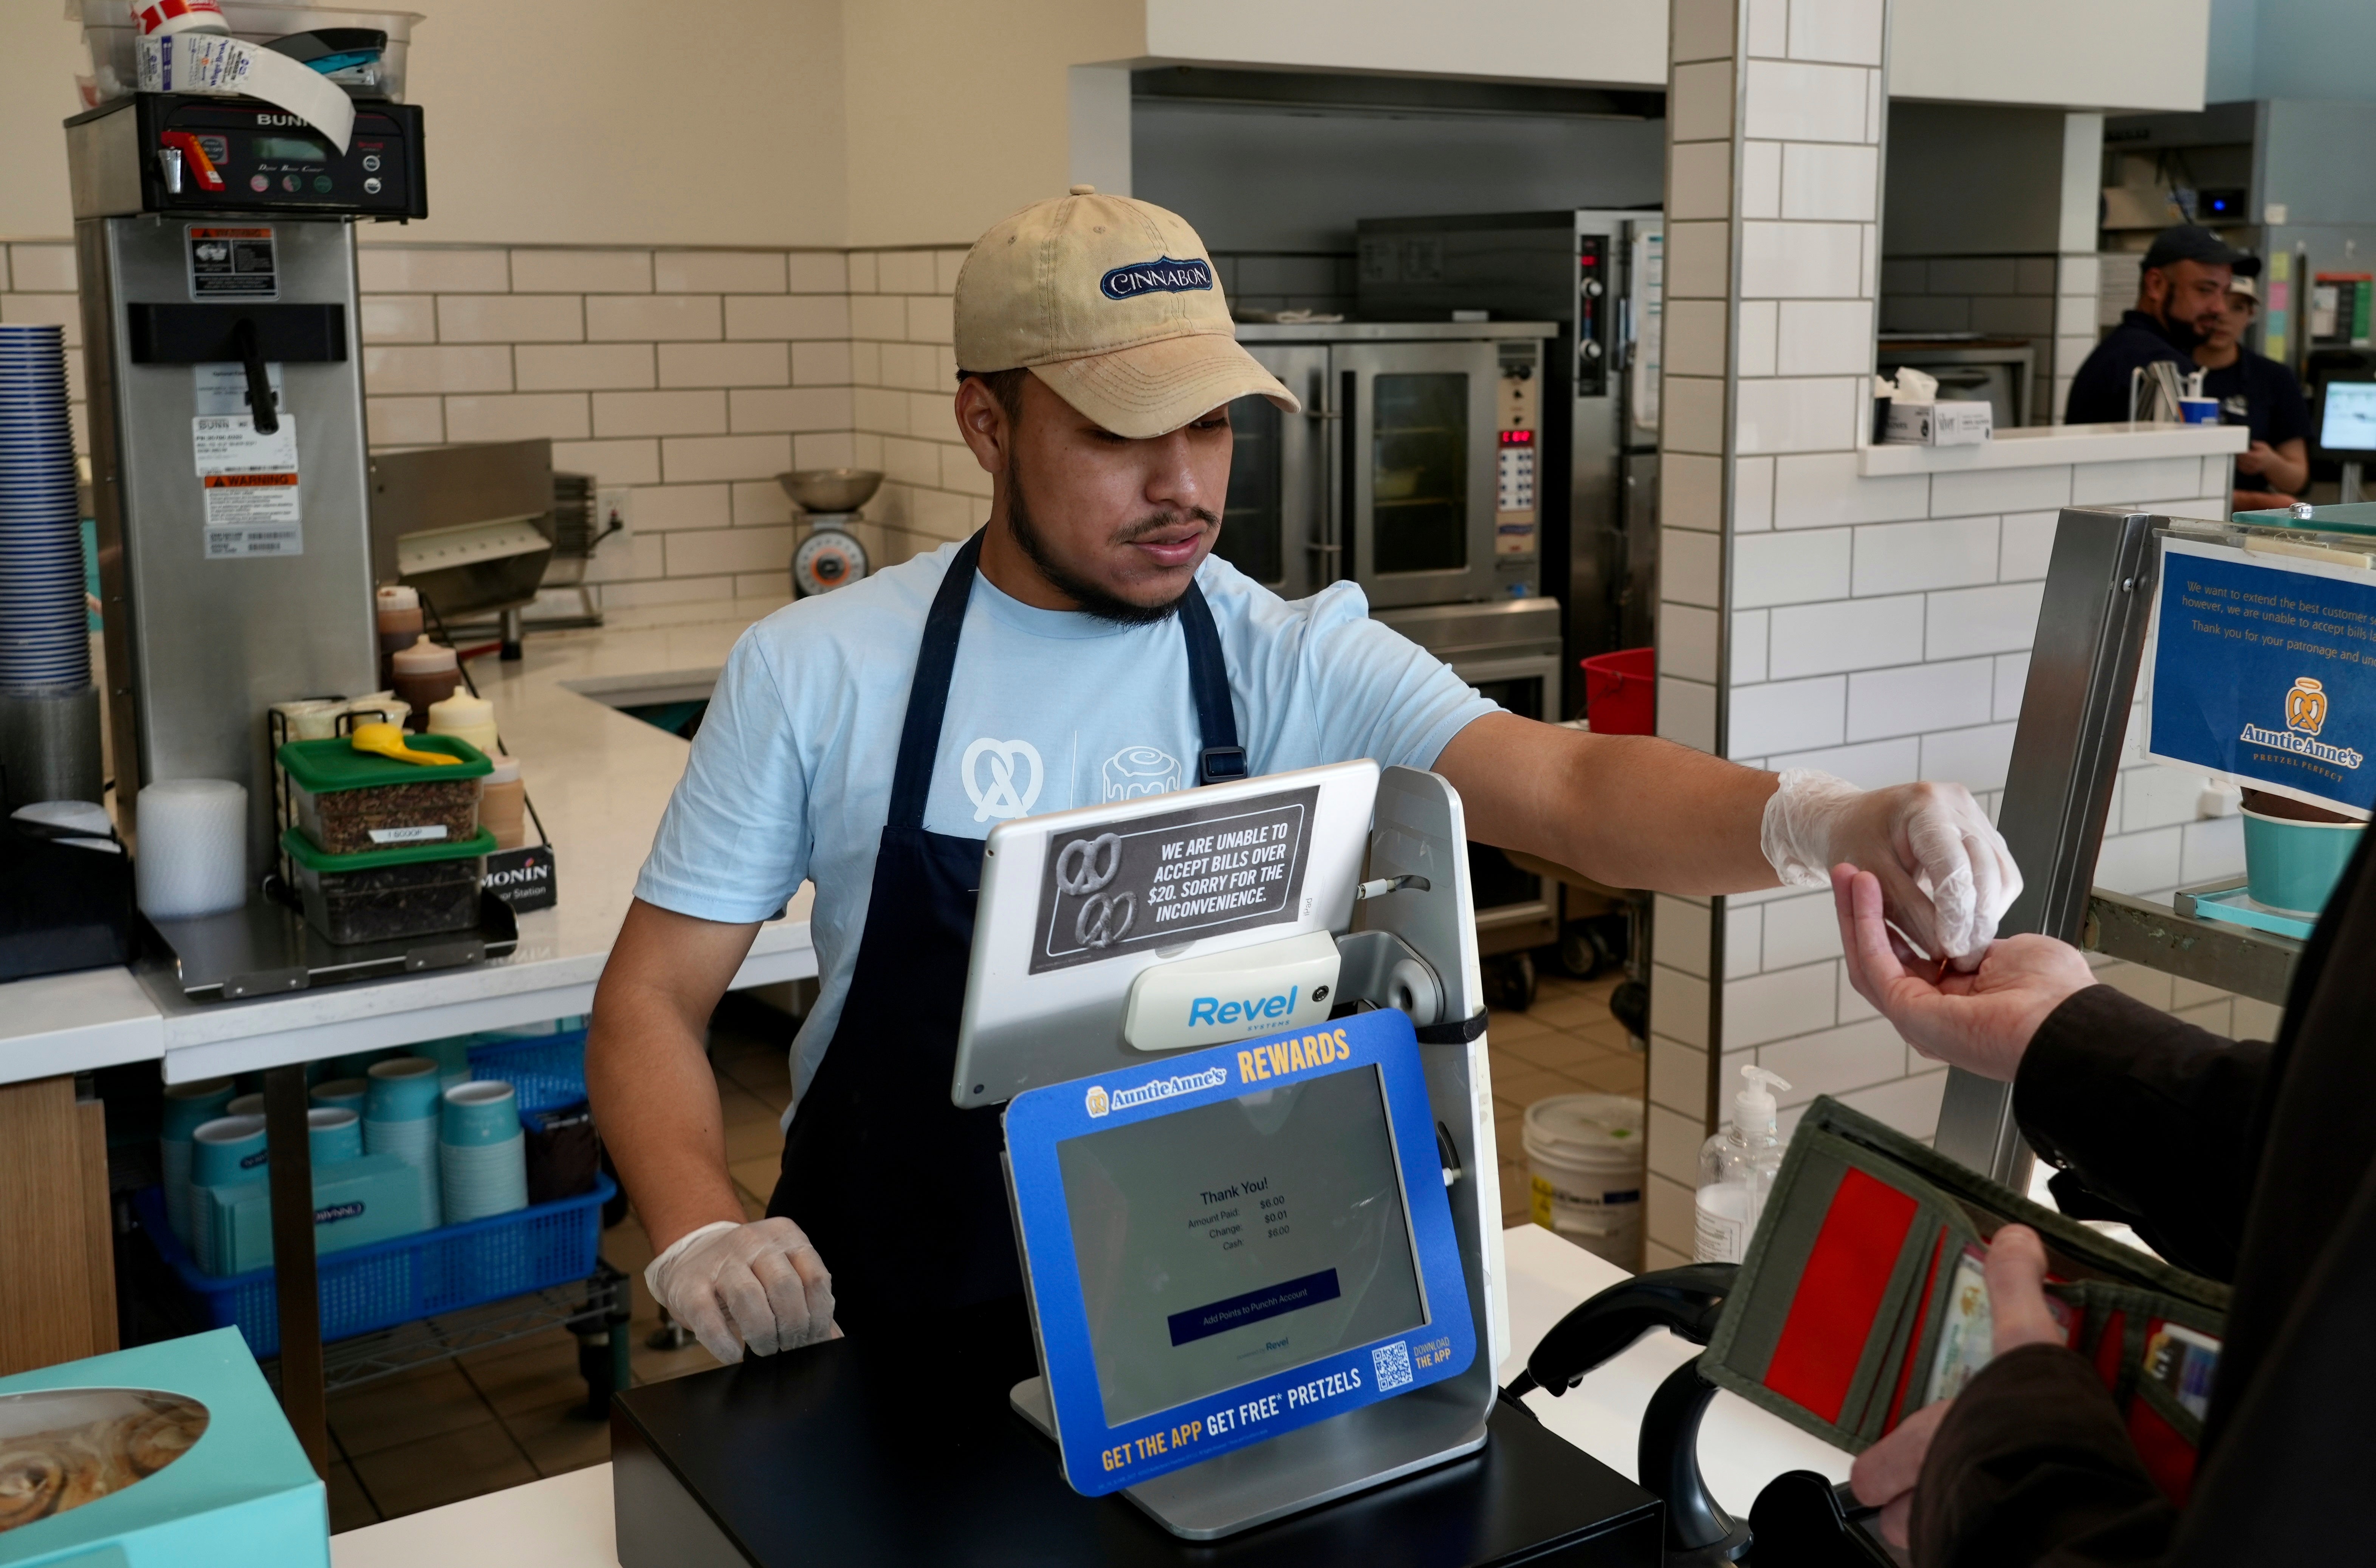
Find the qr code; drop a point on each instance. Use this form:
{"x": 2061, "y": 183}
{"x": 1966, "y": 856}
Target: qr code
{"x": 1392, "y": 1362}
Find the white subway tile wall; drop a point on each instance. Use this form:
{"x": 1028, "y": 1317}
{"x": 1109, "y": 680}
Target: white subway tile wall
{"x": 1880, "y": 628}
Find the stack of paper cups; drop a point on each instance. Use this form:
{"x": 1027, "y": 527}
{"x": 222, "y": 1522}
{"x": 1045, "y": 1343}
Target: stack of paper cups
{"x": 481, "y": 1151}
{"x": 187, "y": 1107}
{"x": 400, "y": 1118}
{"x": 224, "y": 1152}
{"x": 191, "y": 848}
{"x": 346, "y": 1094}
{"x": 333, "y": 1134}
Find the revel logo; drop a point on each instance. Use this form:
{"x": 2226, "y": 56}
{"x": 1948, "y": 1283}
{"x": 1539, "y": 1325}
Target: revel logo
{"x": 1212, "y": 1010}
{"x": 1163, "y": 275}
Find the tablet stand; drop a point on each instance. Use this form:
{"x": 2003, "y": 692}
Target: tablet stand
{"x": 1420, "y": 842}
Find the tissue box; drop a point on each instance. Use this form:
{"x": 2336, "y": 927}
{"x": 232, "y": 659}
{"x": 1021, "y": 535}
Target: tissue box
{"x": 1938, "y": 424}
{"x": 356, "y": 1202}
{"x": 170, "y": 1455}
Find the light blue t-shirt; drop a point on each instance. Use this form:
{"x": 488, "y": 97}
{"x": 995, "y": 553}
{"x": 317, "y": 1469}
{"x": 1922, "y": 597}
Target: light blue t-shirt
{"x": 789, "y": 779}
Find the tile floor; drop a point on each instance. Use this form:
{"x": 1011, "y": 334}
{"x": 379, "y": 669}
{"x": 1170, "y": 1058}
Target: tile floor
{"x": 514, "y": 1413}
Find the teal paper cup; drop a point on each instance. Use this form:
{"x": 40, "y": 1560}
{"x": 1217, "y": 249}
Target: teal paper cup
{"x": 403, "y": 1089}
{"x": 244, "y": 1105}
{"x": 334, "y": 1133}
{"x": 344, "y": 1093}
{"x": 485, "y": 1111}
{"x": 227, "y": 1150}
{"x": 190, "y": 1106}
{"x": 2293, "y": 866}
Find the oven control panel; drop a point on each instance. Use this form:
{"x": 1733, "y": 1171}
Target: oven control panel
{"x": 1518, "y": 454}
{"x": 1594, "y": 311}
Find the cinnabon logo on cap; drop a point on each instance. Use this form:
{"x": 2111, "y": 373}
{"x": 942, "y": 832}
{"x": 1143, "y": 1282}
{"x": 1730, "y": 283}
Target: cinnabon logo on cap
{"x": 1162, "y": 275}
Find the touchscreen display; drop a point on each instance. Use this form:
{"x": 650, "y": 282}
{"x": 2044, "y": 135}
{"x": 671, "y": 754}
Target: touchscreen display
{"x": 1239, "y": 1238}
{"x": 2349, "y": 424}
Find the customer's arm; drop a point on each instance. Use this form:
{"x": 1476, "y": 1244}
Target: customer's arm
{"x": 2152, "y": 1114}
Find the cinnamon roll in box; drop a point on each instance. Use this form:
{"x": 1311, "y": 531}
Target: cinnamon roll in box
{"x": 174, "y": 1454}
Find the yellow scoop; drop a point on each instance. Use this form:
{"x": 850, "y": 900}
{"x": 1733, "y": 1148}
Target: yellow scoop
{"x": 388, "y": 741}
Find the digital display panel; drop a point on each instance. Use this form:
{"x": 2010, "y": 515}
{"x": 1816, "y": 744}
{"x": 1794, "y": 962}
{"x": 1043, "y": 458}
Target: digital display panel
{"x": 1239, "y": 1238}
{"x": 287, "y": 150}
{"x": 2347, "y": 419}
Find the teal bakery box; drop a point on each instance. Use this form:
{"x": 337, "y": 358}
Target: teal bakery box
{"x": 170, "y": 1455}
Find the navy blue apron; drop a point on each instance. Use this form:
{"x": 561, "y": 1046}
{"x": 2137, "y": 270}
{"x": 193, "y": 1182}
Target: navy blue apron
{"x": 900, "y": 1191}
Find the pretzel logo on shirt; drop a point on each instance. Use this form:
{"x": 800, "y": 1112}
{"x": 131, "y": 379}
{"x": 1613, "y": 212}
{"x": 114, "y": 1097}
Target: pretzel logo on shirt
{"x": 998, "y": 797}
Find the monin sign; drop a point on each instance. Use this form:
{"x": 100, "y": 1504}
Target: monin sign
{"x": 522, "y": 878}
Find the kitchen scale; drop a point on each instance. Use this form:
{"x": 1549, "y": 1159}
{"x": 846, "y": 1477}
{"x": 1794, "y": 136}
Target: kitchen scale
{"x": 830, "y": 556}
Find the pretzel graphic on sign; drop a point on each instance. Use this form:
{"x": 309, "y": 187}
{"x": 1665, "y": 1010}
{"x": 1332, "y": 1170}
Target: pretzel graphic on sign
{"x": 1104, "y": 921}
{"x": 1078, "y": 870}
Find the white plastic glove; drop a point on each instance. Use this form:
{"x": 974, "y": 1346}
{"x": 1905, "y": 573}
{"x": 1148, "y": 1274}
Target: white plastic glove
{"x": 759, "y": 1286}
{"x": 1946, "y": 876}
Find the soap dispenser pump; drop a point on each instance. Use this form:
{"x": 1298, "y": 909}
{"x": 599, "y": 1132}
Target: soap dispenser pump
{"x": 1737, "y": 1168}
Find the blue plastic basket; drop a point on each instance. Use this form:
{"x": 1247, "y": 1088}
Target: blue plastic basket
{"x": 405, "y": 1280}
{"x": 548, "y": 1072}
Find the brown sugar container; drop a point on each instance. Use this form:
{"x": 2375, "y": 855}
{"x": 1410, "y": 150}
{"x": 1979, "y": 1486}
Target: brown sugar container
{"x": 351, "y": 802}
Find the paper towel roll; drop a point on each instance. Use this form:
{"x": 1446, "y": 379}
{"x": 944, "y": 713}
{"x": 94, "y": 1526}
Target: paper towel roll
{"x": 191, "y": 848}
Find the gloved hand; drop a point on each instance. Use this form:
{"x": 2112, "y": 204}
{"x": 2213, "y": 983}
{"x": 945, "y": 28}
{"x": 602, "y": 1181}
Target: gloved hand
{"x": 1946, "y": 876}
{"x": 759, "y": 1286}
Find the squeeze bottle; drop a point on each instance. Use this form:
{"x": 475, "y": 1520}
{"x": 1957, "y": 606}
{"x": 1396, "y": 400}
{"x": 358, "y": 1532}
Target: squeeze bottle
{"x": 1737, "y": 1168}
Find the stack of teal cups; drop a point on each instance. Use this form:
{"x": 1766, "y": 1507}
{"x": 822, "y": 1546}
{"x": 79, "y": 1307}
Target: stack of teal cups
{"x": 187, "y": 1107}
{"x": 224, "y": 1152}
{"x": 400, "y": 1118}
{"x": 481, "y": 1151}
{"x": 334, "y": 1133}
{"x": 347, "y": 1094}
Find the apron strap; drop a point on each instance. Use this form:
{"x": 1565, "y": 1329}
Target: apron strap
{"x": 928, "y": 695}
{"x": 1222, "y": 760}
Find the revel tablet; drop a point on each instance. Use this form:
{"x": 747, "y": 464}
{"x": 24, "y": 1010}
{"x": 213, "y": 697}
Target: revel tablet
{"x": 1076, "y": 905}
{"x": 1224, "y": 1244}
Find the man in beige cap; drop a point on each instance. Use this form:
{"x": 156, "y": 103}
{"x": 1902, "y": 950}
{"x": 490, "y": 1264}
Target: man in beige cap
{"x": 1084, "y": 645}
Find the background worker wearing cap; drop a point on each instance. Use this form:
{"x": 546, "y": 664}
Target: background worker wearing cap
{"x": 2256, "y": 391}
{"x": 2181, "y": 287}
{"x": 866, "y": 740}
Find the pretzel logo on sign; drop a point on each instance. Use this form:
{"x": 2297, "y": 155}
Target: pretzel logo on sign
{"x": 1078, "y": 870}
{"x": 1104, "y": 921}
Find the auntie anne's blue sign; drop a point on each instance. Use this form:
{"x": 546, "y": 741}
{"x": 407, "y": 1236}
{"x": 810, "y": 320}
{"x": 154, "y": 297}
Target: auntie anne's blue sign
{"x": 2265, "y": 670}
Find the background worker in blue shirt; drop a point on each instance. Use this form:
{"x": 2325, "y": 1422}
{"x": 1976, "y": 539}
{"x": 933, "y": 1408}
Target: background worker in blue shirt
{"x": 2257, "y": 392}
{"x": 2181, "y": 289}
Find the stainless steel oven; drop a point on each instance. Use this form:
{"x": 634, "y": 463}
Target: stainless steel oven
{"x": 1412, "y": 471}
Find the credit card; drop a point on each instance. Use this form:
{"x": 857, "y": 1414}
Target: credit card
{"x": 2183, "y": 1361}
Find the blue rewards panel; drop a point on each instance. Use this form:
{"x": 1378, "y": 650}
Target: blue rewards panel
{"x": 1229, "y": 1244}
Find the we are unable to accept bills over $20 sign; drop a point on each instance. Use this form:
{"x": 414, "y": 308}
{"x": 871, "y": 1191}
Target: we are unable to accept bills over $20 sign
{"x": 2265, "y": 673}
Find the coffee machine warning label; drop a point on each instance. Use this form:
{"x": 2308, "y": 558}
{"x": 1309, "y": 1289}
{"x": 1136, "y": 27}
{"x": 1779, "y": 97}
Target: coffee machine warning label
{"x": 233, "y": 264}
{"x": 250, "y": 482}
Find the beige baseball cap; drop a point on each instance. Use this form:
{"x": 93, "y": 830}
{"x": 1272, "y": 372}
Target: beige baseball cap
{"x": 1113, "y": 303}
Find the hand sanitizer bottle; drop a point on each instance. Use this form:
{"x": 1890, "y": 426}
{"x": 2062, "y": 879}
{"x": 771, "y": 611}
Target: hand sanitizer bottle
{"x": 1737, "y": 1168}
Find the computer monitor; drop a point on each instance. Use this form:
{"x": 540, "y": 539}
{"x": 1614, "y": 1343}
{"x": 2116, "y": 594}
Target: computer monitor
{"x": 1226, "y": 1244}
{"x": 2347, "y": 421}
{"x": 1075, "y": 904}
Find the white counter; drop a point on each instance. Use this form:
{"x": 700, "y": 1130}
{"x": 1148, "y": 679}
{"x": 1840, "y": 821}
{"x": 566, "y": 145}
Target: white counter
{"x": 2046, "y": 446}
{"x": 567, "y": 1522}
{"x": 600, "y": 779}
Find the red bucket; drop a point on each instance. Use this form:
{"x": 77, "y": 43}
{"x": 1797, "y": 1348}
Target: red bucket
{"x": 1620, "y": 692}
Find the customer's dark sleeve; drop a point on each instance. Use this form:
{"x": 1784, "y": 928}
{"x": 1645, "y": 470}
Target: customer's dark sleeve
{"x": 2153, "y": 1114}
{"x": 2032, "y": 1466}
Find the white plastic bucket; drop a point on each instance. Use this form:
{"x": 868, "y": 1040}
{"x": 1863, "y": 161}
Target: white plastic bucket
{"x": 1585, "y": 1158}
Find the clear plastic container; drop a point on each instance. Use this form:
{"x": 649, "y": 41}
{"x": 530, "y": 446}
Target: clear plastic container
{"x": 389, "y": 895}
{"x": 352, "y": 802}
{"x": 113, "y": 35}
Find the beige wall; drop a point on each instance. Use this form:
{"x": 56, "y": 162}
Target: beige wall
{"x": 38, "y": 66}
{"x": 957, "y": 113}
{"x": 1613, "y": 43}
{"x": 2095, "y": 55}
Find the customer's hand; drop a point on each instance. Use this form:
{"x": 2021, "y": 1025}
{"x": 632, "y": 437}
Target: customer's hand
{"x": 1981, "y": 1022}
{"x": 1944, "y": 871}
{"x": 759, "y": 1286}
{"x": 1885, "y": 1475}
